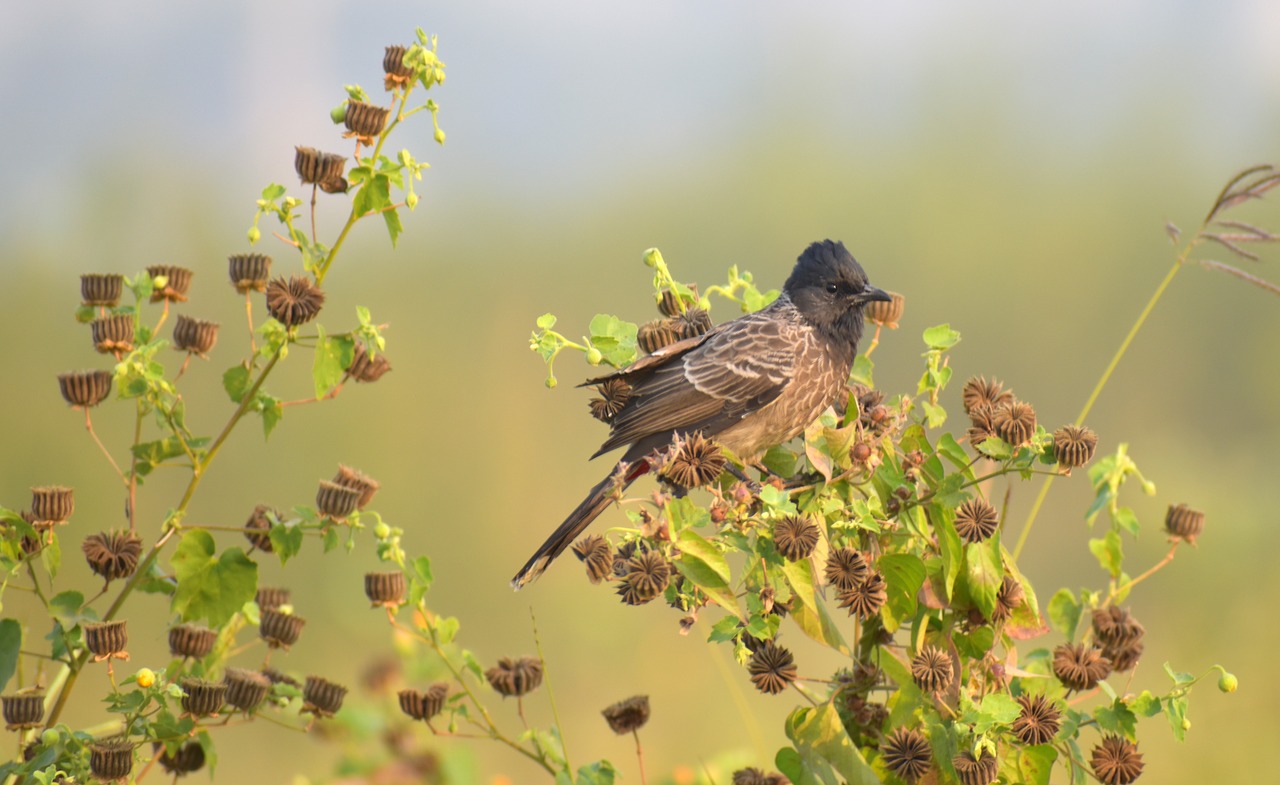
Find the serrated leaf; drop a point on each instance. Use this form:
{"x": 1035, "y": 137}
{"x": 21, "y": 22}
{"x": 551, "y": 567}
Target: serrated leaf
{"x": 1124, "y": 518}
{"x": 1109, "y": 552}
{"x": 395, "y": 227}
{"x": 236, "y": 382}
{"x": 211, "y": 586}
{"x": 332, "y": 356}
{"x": 546, "y": 321}
{"x": 614, "y": 338}
{"x": 420, "y": 579}
{"x": 286, "y": 540}
{"x": 777, "y": 500}
{"x": 704, "y": 565}
{"x": 941, "y": 337}
{"x": 1116, "y": 718}
{"x": 1064, "y": 613}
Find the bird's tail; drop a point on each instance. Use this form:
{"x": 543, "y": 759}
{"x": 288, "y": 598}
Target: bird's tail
{"x": 582, "y": 516}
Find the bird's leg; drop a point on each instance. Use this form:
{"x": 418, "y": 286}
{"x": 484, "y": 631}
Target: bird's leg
{"x": 751, "y": 484}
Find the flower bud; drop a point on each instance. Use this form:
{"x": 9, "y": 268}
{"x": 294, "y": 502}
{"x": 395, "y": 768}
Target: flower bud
{"x": 255, "y": 234}
{"x": 382, "y": 531}
{"x": 594, "y": 356}
{"x": 145, "y": 677}
{"x": 339, "y": 113}
{"x": 1228, "y": 682}
{"x": 652, "y": 257}
{"x": 551, "y": 382}
{"x": 411, "y": 200}
{"x": 439, "y": 136}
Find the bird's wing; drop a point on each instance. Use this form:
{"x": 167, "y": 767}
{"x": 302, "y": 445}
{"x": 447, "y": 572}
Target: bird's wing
{"x": 734, "y": 370}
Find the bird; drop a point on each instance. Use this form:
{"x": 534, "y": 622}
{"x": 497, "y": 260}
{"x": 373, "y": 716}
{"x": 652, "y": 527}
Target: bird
{"x": 749, "y": 384}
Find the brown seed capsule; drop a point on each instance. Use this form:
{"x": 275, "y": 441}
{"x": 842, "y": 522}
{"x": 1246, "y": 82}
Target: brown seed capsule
{"x": 101, "y": 290}
{"x": 1120, "y": 636}
{"x": 754, "y": 776}
{"x": 85, "y": 389}
{"x": 384, "y": 589}
{"x": 1073, "y": 447}
{"x": 594, "y": 551}
{"x": 981, "y": 425}
{"x": 615, "y": 392}
{"x": 249, "y": 271}
{"x": 246, "y": 689}
{"x": 366, "y": 369}
{"x": 186, "y": 759}
{"x": 906, "y": 753}
{"x": 1015, "y": 422}
{"x": 203, "y": 698}
{"x": 885, "y": 313}
{"x": 1008, "y": 598}
{"x": 323, "y": 169}
{"x": 978, "y": 392}
{"x": 646, "y": 576}
{"x": 191, "y": 640}
{"x": 795, "y": 537}
{"x": 23, "y": 711}
{"x": 111, "y": 759}
{"x": 177, "y": 280}
{"x": 513, "y": 678}
{"x": 656, "y": 334}
{"x": 1116, "y": 761}
{"x": 866, "y": 598}
{"x": 336, "y": 501}
{"x": 975, "y": 771}
{"x": 1039, "y": 720}
{"x": 424, "y": 704}
{"x": 670, "y": 303}
{"x": 322, "y": 697}
{"x": 354, "y": 478}
{"x": 107, "y": 639}
{"x": 628, "y": 715}
{"x": 976, "y": 520}
{"x": 693, "y": 322}
{"x": 1180, "y": 521}
{"x": 846, "y": 568}
{"x": 1079, "y": 667}
{"x": 270, "y": 598}
{"x": 860, "y": 452}
{"x": 397, "y": 73}
{"x": 295, "y": 301}
{"x": 280, "y": 630}
{"x": 772, "y": 668}
{"x": 365, "y": 121}
{"x": 194, "y": 336}
{"x": 693, "y": 461}
{"x": 52, "y": 503}
{"x": 931, "y": 669}
{"x": 258, "y": 526}
{"x": 113, "y": 334}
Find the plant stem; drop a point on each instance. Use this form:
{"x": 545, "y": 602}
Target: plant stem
{"x": 639, "y": 755}
{"x": 551, "y": 694}
{"x": 1168, "y": 557}
{"x": 88, "y": 426}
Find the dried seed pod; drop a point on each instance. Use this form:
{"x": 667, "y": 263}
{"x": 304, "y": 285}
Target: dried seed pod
{"x": 185, "y": 760}
{"x": 795, "y": 537}
{"x": 1181, "y": 521}
{"x": 906, "y": 753}
{"x": 23, "y": 711}
{"x": 111, "y": 759}
{"x": 513, "y": 678}
{"x": 754, "y": 776}
{"x": 112, "y": 334}
{"x": 693, "y": 322}
{"x": 931, "y": 669}
{"x": 258, "y": 526}
{"x": 322, "y": 697}
{"x": 866, "y": 598}
{"x": 1120, "y": 636}
{"x": 295, "y": 301}
{"x": 424, "y": 704}
{"x": 1073, "y": 447}
{"x": 203, "y": 698}
{"x": 194, "y": 336}
{"x": 656, "y": 335}
{"x": 670, "y": 304}
{"x": 628, "y": 715}
{"x": 976, "y": 771}
{"x": 1008, "y": 598}
{"x": 336, "y": 501}
{"x": 981, "y": 425}
{"x": 317, "y": 168}
{"x": 1015, "y": 422}
{"x": 976, "y": 520}
{"x": 1039, "y": 720}
{"x": 1116, "y": 761}
{"x": 246, "y": 689}
{"x": 270, "y": 598}
{"x": 85, "y": 389}
{"x": 385, "y": 589}
{"x": 594, "y": 551}
{"x": 365, "y": 121}
{"x": 1080, "y": 667}
{"x": 354, "y": 478}
{"x": 249, "y": 271}
{"x": 177, "y": 280}
{"x": 102, "y": 291}
{"x": 846, "y": 568}
{"x": 615, "y": 392}
{"x": 397, "y": 73}
{"x": 191, "y": 640}
{"x": 693, "y": 461}
{"x": 885, "y": 313}
{"x": 280, "y": 630}
{"x": 363, "y": 368}
{"x": 978, "y": 392}
{"x": 772, "y": 668}
{"x": 107, "y": 639}
{"x": 646, "y": 576}
{"x": 52, "y": 503}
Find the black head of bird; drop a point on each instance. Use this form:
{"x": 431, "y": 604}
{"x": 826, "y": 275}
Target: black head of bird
{"x": 829, "y": 288}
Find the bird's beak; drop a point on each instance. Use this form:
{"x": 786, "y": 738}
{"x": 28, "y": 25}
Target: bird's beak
{"x": 872, "y": 294}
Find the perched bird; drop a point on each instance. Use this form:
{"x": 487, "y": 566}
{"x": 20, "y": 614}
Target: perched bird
{"x": 749, "y": 384}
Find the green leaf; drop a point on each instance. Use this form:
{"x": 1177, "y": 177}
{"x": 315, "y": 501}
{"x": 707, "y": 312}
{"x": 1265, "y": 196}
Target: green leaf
{"x": 1064, "y": 613}
{"x": 394, "y": 225}
{"x": 1180, "y": 678}
{"x": 983, "y": 573}
{"x": 904, "y": 574}
{"x": 374, "y": 194}
{"x": 1109, "y": 553}
{"x": 1175, "y": 709}
{"x": 1117, "y": 718}
{"x": 65, "y": 608}
{"x": 51, "y": 557}
{"x": 705, "y": 566}
{"x": 935, "y": 415}
{"x": 273, "y": 192}
{"x": 546, "y": 321}
{"x": 614, "y": 338}
{"x": 862, "y": 371}
{"x": 1036, "y": 763}
{"x": 799, "y": 575}
{"x": 332, "y": 356}
{"x": 941, "y": 337}
{"x": 996, "y": 709}
{"x": 420, "y": 579}
{"x": 601, "y": 772}
{"x": 236, "y": 382}
{"x": 818, "y": 625}
{"x": 976, "y": 644}
{"x": 949, "y": 545}
{"x": 210, "y": 586}
{"x": 1124, "y": 518}
{"x": 1145, "y": 704}
{"x": 286, "y": 540}
{"x": 10, "y": 646}
{"x": 822, "y": 742}
{"x": 778, "y": 501}
{"x": 724, "y": 630}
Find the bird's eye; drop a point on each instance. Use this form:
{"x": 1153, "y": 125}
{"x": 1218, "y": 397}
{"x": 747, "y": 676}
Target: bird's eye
{"x": 832, "y": 288}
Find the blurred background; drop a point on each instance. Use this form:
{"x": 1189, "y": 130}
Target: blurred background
{"x": 1010, "y": 169}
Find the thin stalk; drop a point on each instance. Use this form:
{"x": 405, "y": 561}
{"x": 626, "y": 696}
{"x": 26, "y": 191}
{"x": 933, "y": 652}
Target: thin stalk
{"x": 551, "y": 694}
{"x": 639, "y": 755}
{"x": 88, "y": 426}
